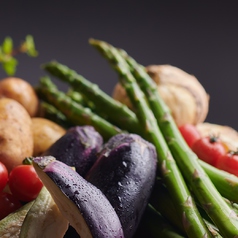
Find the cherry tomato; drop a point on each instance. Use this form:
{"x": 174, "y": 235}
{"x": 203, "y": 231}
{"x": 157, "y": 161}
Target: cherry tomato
{"x": 190, "y": 133}
{"x": 209, "y": 149}
{"x": 24, "y": 183}
{"x": 229, "y": 162}
{"x": 8, "y": 204}
{"x": 3, "y": 176}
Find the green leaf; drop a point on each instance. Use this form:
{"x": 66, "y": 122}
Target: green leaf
{"x": 7, "y": 60}
{"x": 30, "y": 46}
{"x": 7, "y": 45}
{"x": 10, "y": 66}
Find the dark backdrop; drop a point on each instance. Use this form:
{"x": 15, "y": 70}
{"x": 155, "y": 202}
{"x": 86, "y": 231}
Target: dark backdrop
{"x": 200, "y": 37}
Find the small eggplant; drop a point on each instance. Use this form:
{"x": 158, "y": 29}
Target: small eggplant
{"x": 77, "y": 148}
{"x": 125, "y": 172}
{"x": 83, "y": 205}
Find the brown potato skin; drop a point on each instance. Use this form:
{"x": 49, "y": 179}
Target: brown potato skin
{"x": 45, "y": 133}
{"x": 21, "y": 91}
{"x": 16, "y": 138}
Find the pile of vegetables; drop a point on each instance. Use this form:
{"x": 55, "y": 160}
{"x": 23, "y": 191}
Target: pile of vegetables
{"x": 132, "y": 165}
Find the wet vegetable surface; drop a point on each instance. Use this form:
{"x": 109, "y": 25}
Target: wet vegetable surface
{"x": 125, "y": 172}
{"x": 77, "y": 148}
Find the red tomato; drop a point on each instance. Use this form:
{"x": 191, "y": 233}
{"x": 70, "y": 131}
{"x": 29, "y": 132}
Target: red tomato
{"x": 209, "y": 149}
{"x": 8, "y": 204}
{"x": 229, "y": 162}
{"x": 24, "y": 183}
{"x": 3, "y": 176}
{"x": 190, "y": 133}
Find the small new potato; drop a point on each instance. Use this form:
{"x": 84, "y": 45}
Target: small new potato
{"x": 21, "y": 91}
{"x": 45, "y": 133}
{"x": 16, "y": 139}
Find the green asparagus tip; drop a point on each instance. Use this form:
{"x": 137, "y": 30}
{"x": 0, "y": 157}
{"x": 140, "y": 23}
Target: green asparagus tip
{"x": 97, "y": 43}
{"x": 45, "y": 65}
{"x": 92, "y": 41}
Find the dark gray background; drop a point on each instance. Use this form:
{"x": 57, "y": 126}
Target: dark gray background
{"x": 200, "y": 37}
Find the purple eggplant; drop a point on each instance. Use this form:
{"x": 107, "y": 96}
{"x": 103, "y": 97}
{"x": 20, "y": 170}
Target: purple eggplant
{"x": 83, "y": 204}
{"x": 125, "y": 172}
{"x": 77, "y": 148}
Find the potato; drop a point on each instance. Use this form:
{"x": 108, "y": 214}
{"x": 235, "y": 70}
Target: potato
{"x": 16, "y": 138}
{"x": 45, "y": 133}
{"x": 21, "y": 91}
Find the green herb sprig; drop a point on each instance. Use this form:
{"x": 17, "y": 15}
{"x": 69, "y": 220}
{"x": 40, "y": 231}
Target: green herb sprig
{"x": 8, "y": 53}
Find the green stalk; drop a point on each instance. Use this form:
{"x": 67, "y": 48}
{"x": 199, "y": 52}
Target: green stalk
{"x": 116, "y": 111}
{"x": 76, "y": 96}
{"x": 160, "y": 199}
{"x": 53, "y": 114}
{"x": 187, "y": 210}
{"x": 225, "y": 183}
{"x": 213, "y": 203}
{"x": 76, "y": 114}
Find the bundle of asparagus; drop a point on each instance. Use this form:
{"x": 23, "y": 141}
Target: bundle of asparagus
{"x": 204, "y": 198}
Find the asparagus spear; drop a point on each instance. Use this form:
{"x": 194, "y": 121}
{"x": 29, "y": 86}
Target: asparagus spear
{"x": 116, "y": 111}
{"x": 52, "y": 113}
{"x": 225, "y": 183}
{"x": 79, "y": 98}
{"x": 75, "y": 113}
{"x": 161, "y": 201}
{"x": 221, "y": 214}
{"x": 76, "y": 96}
{"x": 187, "y": 210}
